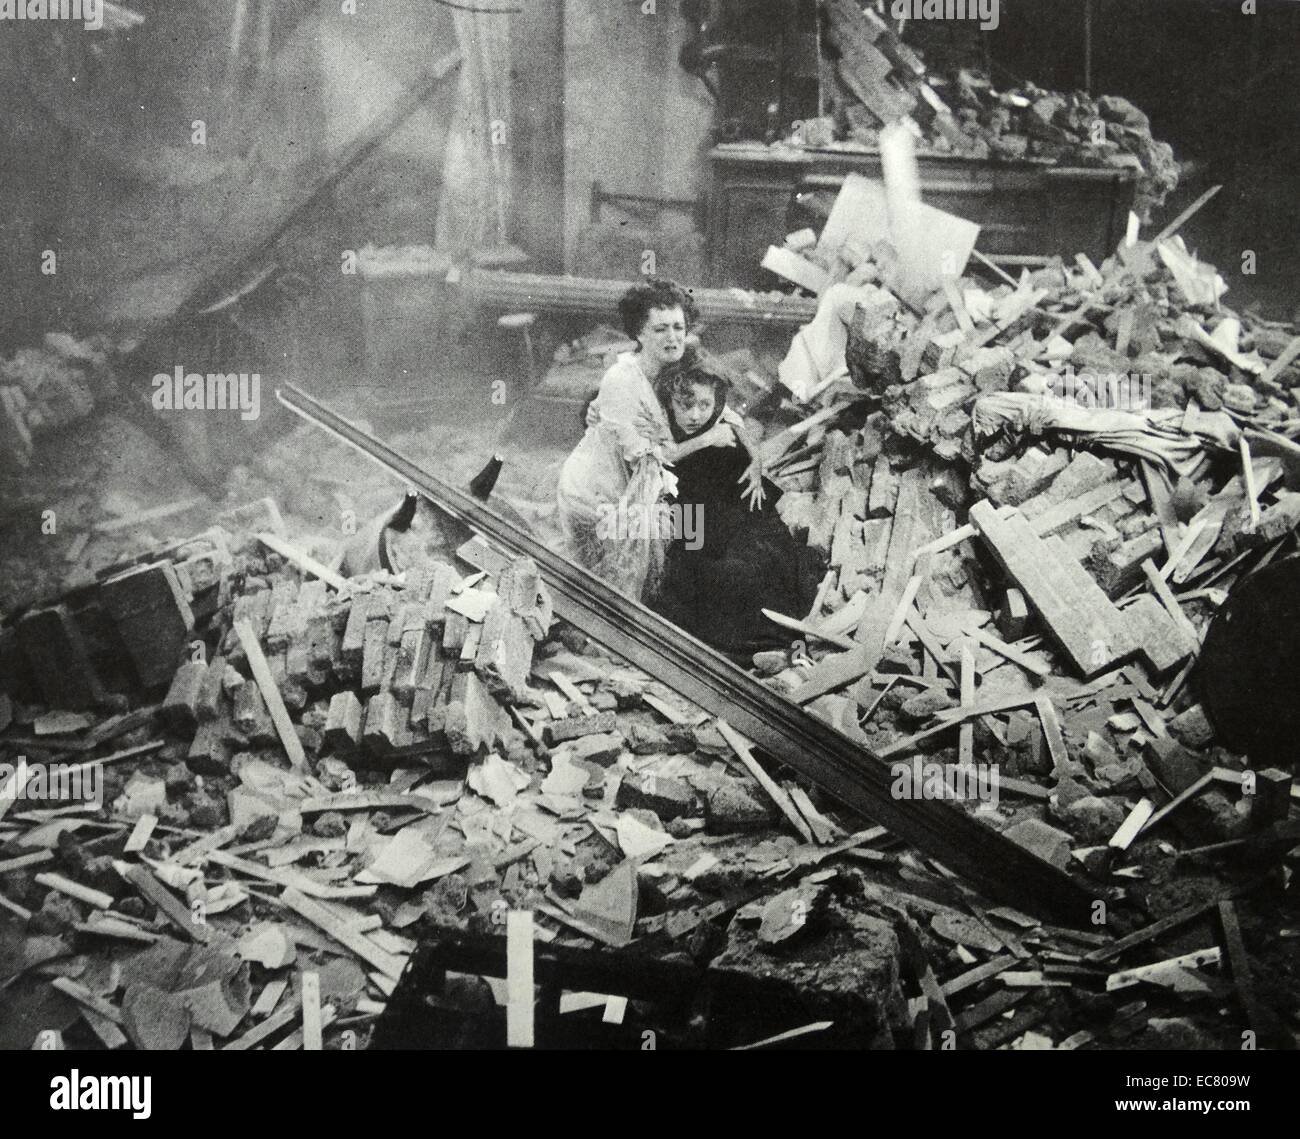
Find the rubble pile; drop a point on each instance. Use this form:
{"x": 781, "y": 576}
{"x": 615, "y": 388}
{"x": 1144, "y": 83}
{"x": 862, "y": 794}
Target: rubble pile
{"x": 304, "y": 776}
{"x": 1072, "y": 129}
{"x": 882, "y": 80}
{"x": 1109, "y": 416}
{"x": 419, "y": 746}
{"x": 1055, "y": 485}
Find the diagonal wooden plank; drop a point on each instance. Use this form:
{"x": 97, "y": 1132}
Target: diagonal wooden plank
{"x": 1109, "y": 632}
{"x": 1081, "y": 619}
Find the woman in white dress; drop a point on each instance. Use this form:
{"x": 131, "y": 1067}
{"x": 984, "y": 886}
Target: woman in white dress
{"x": 613, "y": 483}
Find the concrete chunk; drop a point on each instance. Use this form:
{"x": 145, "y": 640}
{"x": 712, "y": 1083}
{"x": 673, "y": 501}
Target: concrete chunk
{"x": 180, "y": 705}
{"x": 1049, "y": 843}
{"x": 153, "y": 619}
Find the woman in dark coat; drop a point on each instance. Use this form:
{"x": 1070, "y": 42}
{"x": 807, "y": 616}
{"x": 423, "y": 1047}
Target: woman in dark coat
{"x": 731, "y": 556}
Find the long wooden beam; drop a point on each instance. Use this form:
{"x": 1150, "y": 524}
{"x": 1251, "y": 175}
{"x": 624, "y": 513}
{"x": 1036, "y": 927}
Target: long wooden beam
{"x": 598, "y": 297}
{"x": 852, "y": 773}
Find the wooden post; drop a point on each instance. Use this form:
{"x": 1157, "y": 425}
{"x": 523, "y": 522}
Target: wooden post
{"x": 519, "y": 979}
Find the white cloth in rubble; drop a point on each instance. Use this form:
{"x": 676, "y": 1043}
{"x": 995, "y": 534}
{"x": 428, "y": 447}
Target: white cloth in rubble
{"x": 816, "y": 356}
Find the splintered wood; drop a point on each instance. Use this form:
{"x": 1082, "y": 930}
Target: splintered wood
{"x": 271, "y": 695}
{"x": 1080, "y": 618}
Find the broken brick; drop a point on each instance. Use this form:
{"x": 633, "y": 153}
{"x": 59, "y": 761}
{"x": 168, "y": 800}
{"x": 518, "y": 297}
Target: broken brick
{"x": 212, "y": 691}
{"x": 559, "y": 731}
{"x": 252, "y": 717}
{"x": 1047, "y": 842}
{"x": 180, "y": 705}
{"x": 343, "y": 725}
{"x": 374, "y": 655}
{"x": 209, "y": 754}
{"x": 731, "y": 807}
{"x": 603, "y": 749}
{"x": 283, "y": 615}
{"x": 668, "y": 798}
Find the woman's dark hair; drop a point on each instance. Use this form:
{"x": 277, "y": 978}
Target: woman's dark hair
{"x": 657, "y": 292}
{"x": 694, "y": 368}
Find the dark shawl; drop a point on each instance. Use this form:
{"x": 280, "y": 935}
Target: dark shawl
{"x": 748, "y": 560}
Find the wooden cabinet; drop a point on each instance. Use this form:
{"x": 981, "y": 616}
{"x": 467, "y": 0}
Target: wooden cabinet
{"x": 1025, "y": 208}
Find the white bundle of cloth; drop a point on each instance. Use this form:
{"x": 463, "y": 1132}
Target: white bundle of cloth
{"x": 1158, "y": 436}
{"x": 817, "y": 354}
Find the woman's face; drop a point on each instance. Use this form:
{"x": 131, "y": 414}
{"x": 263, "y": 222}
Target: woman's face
{"x": 693, "y": 407}
{"x": 663, "y": 339}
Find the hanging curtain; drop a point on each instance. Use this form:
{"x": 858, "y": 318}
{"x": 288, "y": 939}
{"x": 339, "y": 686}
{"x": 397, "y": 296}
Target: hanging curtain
{"x": 474, "y": 208}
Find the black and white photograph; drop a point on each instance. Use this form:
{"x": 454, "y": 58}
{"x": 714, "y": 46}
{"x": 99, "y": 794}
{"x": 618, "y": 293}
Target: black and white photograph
{"x": 677, "y": 526}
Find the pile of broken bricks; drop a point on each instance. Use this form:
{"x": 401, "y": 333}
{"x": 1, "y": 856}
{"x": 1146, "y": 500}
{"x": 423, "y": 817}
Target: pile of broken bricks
{"x": 881, "y": 80}
{"x": 1054, "y": 485}
{"x": 350, "y": 766}
{"x": 1021, "y": 563}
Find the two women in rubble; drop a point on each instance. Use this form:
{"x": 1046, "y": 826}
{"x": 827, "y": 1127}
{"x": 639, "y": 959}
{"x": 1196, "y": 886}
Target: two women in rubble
{"x": 665, "y": 498}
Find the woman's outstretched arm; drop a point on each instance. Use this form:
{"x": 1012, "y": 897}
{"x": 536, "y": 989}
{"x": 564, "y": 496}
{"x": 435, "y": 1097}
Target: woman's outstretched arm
{"x": 719, "y": 435}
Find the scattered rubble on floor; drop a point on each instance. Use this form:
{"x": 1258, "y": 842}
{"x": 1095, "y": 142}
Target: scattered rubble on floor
{"x": 122, "y": 492}
{"x": 324, "y": 772}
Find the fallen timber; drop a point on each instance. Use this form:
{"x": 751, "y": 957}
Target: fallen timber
{"x": 847, "y": 770}
{"x": 493, "y": 288}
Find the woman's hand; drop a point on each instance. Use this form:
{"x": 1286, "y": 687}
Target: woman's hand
{"x": 649, "y": 428}
{"x": 753, "y": 482}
